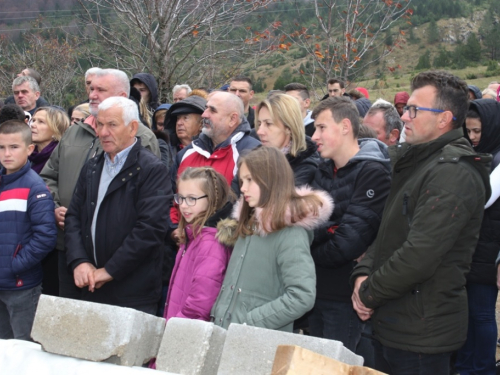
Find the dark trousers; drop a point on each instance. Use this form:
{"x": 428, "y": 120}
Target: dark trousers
{"x": 335, "y": 320}
{"x": 67, "y": 287}
{"x": 366, "y": 345}
{"x": 17, "y": 312}
{"x": 477, "y": 356}
{"x": 401, "y": 362}
{"x": 50, "y": 282}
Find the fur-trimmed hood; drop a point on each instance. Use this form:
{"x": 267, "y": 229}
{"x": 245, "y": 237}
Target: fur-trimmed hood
{"x": 310, "y": 222}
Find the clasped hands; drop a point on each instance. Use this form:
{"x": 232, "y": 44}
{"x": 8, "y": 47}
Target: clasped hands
{"x": 86, "y": 274}
{"x": 363, "y": 312}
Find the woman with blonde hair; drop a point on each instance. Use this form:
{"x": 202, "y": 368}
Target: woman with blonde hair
{"x": 79, "y": 113}
{"x": 279, "y": 123}
{"x": 48, "y": 125}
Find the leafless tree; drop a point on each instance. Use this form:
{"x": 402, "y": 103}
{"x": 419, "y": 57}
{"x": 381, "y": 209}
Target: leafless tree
{"x": 345, "y": 36}
{"x": 177, "y": 41}
{"x": 55, "y": 60}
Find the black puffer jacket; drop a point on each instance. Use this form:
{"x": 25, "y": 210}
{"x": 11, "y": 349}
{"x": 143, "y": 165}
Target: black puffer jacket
{"x": 483, "y": 270}
{"x": 359, "y": 190}
{"x": 304, "y": 164}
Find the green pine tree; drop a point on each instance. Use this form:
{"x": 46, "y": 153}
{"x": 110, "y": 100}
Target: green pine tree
{"x": 424, "y": 62}
{"x": 433, "y": 33}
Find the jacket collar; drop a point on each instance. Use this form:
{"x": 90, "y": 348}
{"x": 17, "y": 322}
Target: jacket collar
{"x": 404, "y": 152}
{"x": 10, "y": 178}
{"x": 239, "y": 132}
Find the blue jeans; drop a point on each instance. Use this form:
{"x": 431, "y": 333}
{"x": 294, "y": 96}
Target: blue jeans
{"x": 402, "y": 362}
{"x": 17, "y": 312}
{"x": 477, "y": 356}
{"x": 336, "y": 321}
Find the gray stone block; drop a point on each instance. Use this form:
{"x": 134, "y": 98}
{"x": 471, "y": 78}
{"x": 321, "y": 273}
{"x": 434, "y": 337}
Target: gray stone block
{"x": 96, "y": 332}
{"x": 191, "y": 347}
{"x": 251, "y": 350}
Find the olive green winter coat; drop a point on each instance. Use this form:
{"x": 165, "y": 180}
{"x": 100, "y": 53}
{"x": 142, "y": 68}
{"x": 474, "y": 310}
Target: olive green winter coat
{"x": 423, "y": 250}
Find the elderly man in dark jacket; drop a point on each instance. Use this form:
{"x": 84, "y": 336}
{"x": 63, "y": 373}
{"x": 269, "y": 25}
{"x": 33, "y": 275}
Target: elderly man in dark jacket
{"x": 412, "y": 280}
{"x": 115, "y": 225}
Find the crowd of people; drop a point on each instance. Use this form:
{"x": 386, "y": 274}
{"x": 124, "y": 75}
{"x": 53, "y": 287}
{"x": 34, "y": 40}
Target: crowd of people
{"x": 374, "y": 224}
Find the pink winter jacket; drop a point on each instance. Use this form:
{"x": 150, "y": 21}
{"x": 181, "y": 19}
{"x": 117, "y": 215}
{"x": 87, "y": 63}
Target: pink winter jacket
{"x": 197, "y": 277}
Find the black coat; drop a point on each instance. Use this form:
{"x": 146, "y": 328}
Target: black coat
{"x": 483, "y": 269}
{"x": 305, "y": 164}
{"x": 130, "y": 231}
{"x": 359, "y": 190}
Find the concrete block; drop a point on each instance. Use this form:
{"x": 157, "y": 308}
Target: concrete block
{"x": 96, "y": 332}
{"x": 19, "y": 357}
{"x": 191, "y": 347}
{"x": 294, "y": 360}
{"x": 251, "y": 350}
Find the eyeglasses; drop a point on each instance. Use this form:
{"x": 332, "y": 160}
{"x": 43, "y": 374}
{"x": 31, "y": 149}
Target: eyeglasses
{"x": 412, "y": 110}
{"x": 190, "y": 201}
{"x": 76, "y": 119}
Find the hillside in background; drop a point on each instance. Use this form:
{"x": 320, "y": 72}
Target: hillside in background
{"x": 462, "y": 36}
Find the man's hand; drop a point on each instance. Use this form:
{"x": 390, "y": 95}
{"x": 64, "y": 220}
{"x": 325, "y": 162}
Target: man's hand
{"x": 101, "y": 277}
{"x": 60, "y": 213}
{"x": 175, "y": 236}
{"x": 363, "y": 312}
{"x": 84, "y": 275}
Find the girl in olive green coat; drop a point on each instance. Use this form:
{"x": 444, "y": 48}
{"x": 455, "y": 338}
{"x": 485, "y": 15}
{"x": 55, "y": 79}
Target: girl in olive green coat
{"x": 270, "y": 280}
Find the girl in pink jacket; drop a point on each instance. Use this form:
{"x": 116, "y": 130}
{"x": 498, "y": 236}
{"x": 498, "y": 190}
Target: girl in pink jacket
{"x": 203, "y": 198}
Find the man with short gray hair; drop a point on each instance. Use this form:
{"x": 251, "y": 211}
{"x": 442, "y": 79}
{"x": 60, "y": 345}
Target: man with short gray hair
{"x": 114, "y": 237}
{"x": 79, "y": 144}
{"x": 26, "y": 92}
{"x": 181, "y": 92}
{"x": 384, "y": 119}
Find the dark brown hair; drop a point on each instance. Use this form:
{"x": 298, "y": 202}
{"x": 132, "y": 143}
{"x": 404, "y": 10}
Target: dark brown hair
{"x": 452, "y": 93}
{"x": 278, "y": 197}
{"x": 340, "y": 108}
{"x": 215, "y": 186}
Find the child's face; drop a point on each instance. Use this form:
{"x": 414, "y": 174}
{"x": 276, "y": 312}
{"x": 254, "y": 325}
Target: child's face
{"x": 191, "y": 189}
{"x": 249, "y": 188}
{"x": 14, "y": 152}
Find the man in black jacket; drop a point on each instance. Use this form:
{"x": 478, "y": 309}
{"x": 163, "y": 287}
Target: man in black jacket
{"x": 115, "y": 225}
{"x": 357, "y": 175}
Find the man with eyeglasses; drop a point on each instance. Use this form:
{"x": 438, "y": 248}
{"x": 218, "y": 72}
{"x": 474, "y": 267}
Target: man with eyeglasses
{"x": 411, "y": 282}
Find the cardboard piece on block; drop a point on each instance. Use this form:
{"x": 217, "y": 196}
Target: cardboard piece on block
{"x": 294, "y": 360}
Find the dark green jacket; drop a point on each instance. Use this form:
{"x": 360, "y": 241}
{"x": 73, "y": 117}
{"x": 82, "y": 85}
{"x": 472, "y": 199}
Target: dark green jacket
{"x": 423, "y": 250}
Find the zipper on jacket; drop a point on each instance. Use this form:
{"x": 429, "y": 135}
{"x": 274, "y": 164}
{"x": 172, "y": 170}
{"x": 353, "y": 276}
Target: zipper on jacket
{"x": 405, "y": 205}
{"x": 19, "y": 281}
{"x": 406, "y": 212}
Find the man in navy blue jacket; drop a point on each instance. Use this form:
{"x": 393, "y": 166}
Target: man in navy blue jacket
{"x": 27, "y": 229}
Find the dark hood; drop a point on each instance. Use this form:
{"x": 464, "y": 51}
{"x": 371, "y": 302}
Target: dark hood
{"x": 150, "y": 81}
{"x": 477, "y": 93}
{"x": 489, "y": 112}
{"x": 363, "y": 106}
